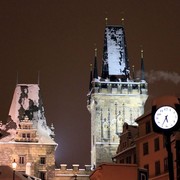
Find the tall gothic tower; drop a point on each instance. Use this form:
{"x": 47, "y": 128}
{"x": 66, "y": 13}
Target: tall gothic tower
{"x": 114, "y": 97}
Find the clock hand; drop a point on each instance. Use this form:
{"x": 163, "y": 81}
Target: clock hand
{"x": 166, "y": 119}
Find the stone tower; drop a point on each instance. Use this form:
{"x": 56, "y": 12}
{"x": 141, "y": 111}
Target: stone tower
{"x": 26, "y": 138}
{"x": 114, "y": 97}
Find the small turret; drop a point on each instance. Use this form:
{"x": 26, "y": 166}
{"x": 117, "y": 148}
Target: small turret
{"x": 142, "y": 65}
{"x": 90, "y": 79}
{"x": 95, "y": 70}
{"x": 52, "y": 131}
{"x": 133, "y": 74}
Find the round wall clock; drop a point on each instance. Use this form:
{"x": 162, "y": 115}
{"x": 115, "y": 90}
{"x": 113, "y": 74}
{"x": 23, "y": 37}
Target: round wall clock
{"x": 166, "y": 117}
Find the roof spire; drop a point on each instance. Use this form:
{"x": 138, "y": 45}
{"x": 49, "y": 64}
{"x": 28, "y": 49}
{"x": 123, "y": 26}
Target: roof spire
{"x": 38, "y": 77}
{"x": 122, "y": 19}
{"x": 95, "y": 72}
{"x": 133, "y": 74}
{"x": 95, "y": 52}
{"x": 142, "y": 64}
{"x": 90, "y": 80}
{"x": 17, "y": 78}
{"x": 106, "y": 20}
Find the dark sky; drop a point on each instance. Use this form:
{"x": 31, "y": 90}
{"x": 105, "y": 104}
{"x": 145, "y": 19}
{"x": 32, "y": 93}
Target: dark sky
{"x": 57, "y": 38}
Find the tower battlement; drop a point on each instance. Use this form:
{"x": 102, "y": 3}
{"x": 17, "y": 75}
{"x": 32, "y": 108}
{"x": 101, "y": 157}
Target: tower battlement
{"x": 131, "y": 88}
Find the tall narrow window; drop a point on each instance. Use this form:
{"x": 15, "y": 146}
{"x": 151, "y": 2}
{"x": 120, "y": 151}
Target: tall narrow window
{"x": 165, "y": 164}
{"x": 157, "y": 168}
{"x": 128, "y": 159}
{"x": 156, "y": 144}
{"x": 42, "y": 175}
{"x": 145, "y": 148}
{"x": 148, "y": 127}
{"x": 134, "y": 158}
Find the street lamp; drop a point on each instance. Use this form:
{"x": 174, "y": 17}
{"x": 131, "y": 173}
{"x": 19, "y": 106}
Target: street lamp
{"x": 75, "y": 177}
{"x": 14, "y": 165}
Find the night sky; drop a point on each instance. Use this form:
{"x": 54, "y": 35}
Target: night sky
{"x": 58, "y": 37}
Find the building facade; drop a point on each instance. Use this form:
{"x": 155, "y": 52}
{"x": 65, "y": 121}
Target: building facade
{"x": 149, "y": 149}
{"x": 114, "y": 97}
{"x": 126, "y": 152}
{"x": 26, "y": 138}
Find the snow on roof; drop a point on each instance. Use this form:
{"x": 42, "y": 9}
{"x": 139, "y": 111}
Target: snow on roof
{"x": 27, "y": 102}
{"x": 116, "y": 50}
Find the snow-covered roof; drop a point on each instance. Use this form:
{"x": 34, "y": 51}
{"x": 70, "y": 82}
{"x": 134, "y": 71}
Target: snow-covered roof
{"x": 115, "y": 50}
{"x": 27, "y": 102}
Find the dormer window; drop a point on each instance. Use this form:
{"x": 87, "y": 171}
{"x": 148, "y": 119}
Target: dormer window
{"x": 23, "y": 135}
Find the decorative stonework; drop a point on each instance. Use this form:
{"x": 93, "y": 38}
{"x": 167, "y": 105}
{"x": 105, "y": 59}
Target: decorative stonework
{"x": 114, "y": 98}
{"x": 26, "y": 132}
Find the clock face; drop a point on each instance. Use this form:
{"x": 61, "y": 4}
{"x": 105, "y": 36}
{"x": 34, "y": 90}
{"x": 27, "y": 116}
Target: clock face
{"x": 166, "y": 117}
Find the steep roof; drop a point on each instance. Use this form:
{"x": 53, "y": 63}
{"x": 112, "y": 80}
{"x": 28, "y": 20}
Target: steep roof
{"x": 26, "y": 102}
{"x": 115, "y": 51}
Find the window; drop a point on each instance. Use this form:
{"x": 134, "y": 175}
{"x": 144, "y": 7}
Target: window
{"x": 121, "y": 161}
{"x": 145, "y": 148}
{"x": 134, "y": 158}
{"x": 165, "y": 164}
{"x": 24, "y": 135}
{"x": 28, "y": 135}
{"x": 42, "y": 160}
{"x": 128, "y": 160}
{"x": 164, "y": 141}
{"x": 157, "y": 168}
{"x": 21, "y": 159}
{"x": 156, "y": 144}
{"x": 146, "y": 166}
{"x": 148, "y": 127}
{"x": 42, "y": 175}
{"x": 124, "y": 144}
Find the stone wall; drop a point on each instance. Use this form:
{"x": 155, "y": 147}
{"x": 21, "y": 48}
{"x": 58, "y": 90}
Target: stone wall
{"x": 32, "y": 153}
{"x": 75, "y": 173}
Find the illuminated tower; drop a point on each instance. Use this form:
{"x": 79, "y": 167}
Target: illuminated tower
{"x": 26, "y": 137}
{"x": 113, "y": 98}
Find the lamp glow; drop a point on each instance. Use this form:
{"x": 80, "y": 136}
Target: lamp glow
{"x": 14, "y": 165}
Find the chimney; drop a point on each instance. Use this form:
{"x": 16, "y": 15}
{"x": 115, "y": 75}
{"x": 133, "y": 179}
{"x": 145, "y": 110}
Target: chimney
{"x": 63, "y": 167}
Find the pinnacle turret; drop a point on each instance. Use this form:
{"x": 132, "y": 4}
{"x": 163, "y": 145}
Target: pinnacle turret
{"x": 90, "y": 79}
{"x": 142, "y": 65}
{"x": 95, "y": 70}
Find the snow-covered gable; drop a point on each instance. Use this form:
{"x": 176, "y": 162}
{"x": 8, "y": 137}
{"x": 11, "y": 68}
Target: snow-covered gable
{"x": 116, "y": 50}
{"x": 27, "y": 102}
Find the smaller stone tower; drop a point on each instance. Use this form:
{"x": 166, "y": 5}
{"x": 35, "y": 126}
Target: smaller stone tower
{"x": 26, "y": 137}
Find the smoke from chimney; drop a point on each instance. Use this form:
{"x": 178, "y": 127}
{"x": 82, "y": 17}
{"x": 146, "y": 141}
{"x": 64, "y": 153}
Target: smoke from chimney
{"x": 154, "y": 76}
